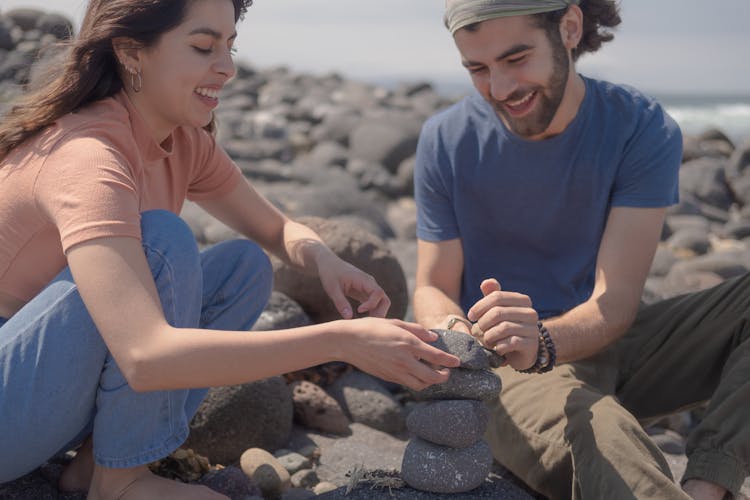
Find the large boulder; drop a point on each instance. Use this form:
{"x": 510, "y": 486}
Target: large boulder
{"x": 355, "y": 246}
{"x": 705, "y": 179}
{"x": 234, "y": 418}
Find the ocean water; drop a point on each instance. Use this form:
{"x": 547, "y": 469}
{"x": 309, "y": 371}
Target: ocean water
{"x": 694, "y": 113}
{"x": 697, "y": 113}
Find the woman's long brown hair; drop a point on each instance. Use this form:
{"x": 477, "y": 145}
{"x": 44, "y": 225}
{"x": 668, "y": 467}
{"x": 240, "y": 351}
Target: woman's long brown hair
{"x": 86, "y": 70}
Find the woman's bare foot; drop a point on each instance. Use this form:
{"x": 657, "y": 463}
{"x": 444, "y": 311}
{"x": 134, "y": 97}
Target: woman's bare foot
{"x": 76, "y": 476}
{"x": 138, "y": 483}
{"x": 703, "y": 490}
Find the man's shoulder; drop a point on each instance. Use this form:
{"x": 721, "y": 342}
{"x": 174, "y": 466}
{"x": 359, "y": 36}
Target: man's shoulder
{"x": 456, "y": 118}
{"x": 623, "y": 99}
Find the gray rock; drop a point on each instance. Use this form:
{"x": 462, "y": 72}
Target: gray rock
{"x": 386, "y": 141}
{"x": 726, "y": 264}
{"x": 693, "y": 240}
{"x": 24, "y": 18}
{"x": 741, "y": 189}
{"x": 464, "y": 346}
{"x": 305, "y": 478}
{"x": 680, "y": 281}
{"x": 481, "y": 385}
{"x": 6, "y": 39}
{"x": 316, "y": 409}
{"x": 439, "y": 469}
{"x": 739, "y": 161}
{"x": 355, "y": 246}
{"x": 292, "y": 461}
{"x": 705, "y": 179}
{"x": 454, "y": 423}
{"x": 684, "y": 221}
{"x": 55, "y": 24}
{"x": 663, "y": 261}
{"x": 668, "y": 441}
{"x": 366, "y": 401}
{"x": 234, "y": 418}
{"x": 281, "y": 312}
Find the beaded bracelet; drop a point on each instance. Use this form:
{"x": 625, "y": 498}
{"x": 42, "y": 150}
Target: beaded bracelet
{"x": 546, "y": 354}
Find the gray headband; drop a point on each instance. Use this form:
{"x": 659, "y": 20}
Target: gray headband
{"x": 460, "y": 13}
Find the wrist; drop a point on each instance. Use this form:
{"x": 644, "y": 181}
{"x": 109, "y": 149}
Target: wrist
{"x": 546, "y": 356}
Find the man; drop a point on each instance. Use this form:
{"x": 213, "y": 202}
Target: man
{"x": 541, "y": 199}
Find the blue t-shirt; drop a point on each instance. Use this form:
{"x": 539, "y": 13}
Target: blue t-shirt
{"x": 532, "y": 213}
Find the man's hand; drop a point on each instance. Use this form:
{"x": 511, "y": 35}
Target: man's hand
{"x": 506, "y": 323}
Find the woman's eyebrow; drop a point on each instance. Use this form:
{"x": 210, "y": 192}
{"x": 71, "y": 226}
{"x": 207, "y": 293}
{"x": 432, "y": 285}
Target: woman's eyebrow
{"x": 213, "y": 33}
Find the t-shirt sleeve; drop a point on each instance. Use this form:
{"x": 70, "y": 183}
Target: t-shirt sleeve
{"x": 214, "y": 174}
{"x": 649, "y": 172}
{"x": 436, "y": 217}
{"x": 88, "y": 191}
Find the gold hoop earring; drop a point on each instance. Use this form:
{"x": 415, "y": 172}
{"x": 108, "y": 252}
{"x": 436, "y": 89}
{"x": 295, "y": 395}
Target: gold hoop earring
{"x": 137, "y": 86}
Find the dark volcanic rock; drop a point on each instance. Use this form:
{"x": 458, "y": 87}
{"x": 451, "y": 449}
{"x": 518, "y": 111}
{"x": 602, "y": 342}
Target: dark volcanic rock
{"x": 454, "y": 423}
{"x": 481, "y": 385}
{"x": 355, "y": 246}
{"x": 235, "y": 418}
{"x": 439, "y": 469}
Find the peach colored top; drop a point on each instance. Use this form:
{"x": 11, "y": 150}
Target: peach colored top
{"x": 90, "y": 175}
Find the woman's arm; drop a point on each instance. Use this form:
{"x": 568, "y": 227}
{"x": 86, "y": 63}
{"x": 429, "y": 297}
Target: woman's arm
{"x": 116, "y": 285}
{"x": 249, "y": 213}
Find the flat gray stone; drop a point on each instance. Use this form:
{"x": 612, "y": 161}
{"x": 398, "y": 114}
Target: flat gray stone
{"x": 365, "y": 400}
{"x": 464, "y": 346}
{"x": 481, "y": 385}
{"x": 455, "y": 423}
{"x": 439, "y": 469}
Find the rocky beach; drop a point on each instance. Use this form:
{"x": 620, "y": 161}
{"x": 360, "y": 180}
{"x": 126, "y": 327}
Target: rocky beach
{"x": 338, "y": 155}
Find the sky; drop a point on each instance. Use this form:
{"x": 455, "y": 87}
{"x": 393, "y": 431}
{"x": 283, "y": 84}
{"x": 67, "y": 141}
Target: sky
{"x": 662, "y": 46}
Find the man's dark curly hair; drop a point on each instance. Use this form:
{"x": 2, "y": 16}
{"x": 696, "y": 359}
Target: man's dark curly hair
{"x": 599, "y": 17}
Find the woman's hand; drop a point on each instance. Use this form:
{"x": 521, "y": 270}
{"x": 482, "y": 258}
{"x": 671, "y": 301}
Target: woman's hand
{"x": 341, "y": 280}
{"x": 506, "y": 323}
{"x": 396, "y": 351}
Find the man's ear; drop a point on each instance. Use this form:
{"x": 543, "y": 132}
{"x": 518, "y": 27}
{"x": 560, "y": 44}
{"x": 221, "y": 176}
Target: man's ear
{"x": 571, "y": 27}
{"x": 128, "y": 53}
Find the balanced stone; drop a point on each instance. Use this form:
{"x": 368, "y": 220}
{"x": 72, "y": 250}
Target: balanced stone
{"x": 472, "y": 354}
{"x": 455, "y": 423}
{"x": 482, "y": 385}
{"x": 440, "y": 469}
{"x": 463, "y": 346}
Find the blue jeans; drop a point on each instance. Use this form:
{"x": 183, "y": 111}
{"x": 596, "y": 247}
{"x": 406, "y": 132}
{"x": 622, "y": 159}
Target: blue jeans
{"x": 59, "y": 383}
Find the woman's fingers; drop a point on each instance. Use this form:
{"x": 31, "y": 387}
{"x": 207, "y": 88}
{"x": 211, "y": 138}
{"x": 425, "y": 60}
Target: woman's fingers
{"x": 340, "y": 301}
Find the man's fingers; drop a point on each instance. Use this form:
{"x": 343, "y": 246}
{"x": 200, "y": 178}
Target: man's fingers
{"x": 497, "y": 315}
{"x": 497, "y": 298}
{"x": 489, "y": 285}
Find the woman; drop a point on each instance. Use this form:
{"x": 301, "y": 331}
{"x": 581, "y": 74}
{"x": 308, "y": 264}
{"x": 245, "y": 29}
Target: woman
{"x": 111, "y": 316}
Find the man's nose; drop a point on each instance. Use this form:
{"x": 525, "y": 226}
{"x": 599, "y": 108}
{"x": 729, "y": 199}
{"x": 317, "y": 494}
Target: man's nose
{"x": 502, "y": 85}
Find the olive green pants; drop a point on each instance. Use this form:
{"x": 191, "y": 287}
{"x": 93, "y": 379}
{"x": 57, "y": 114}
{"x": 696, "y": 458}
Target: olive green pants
{"x": 574, "y": 432}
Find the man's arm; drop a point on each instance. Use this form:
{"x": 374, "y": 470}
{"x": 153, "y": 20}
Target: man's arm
{"x": 437, "y": 293}
{"x": 623, "y": 262}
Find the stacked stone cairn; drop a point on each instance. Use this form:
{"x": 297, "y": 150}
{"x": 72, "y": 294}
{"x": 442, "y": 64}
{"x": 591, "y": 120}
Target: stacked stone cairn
{"x": 447, "y": 452}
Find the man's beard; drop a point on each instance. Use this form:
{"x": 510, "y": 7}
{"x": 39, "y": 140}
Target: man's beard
{"x": 549, "y": 97}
